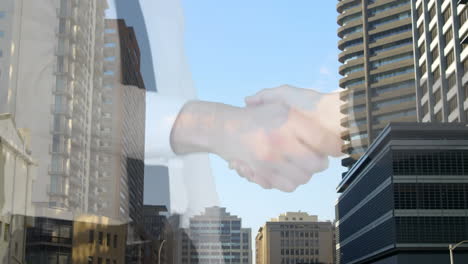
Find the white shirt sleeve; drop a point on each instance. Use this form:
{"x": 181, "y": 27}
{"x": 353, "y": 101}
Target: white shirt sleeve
{"x": 162, "y": 112}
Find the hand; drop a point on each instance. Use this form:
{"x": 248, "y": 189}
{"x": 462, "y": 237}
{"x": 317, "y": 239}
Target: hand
{"x": 320, "y": 118}
{"x": 323, "y": 109}
{"x": 270, "y": 144}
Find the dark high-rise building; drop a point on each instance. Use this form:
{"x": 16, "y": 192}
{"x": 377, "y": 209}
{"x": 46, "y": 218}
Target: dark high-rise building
{"x": 377, "y": 69}
{"x": 405, "y": 200}
{"x": 441, "y": 60}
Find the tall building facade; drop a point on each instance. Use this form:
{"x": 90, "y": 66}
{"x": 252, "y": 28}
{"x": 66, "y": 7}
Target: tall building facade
{"x": 405, "y": 200}
{"x": 50, "y": 63}
{"x": 295, "y": 237}
{"x": 119, "y": 146}
{"x": 377, "y": 69}
{"x": 441, "y": 60}
{"x": 216, "y": 237}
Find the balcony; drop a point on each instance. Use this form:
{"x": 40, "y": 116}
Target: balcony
{"x": 56, "y": 191}
{"x": 62, "y": 129}
{"x": 61, "y": 109}
{"x": 63, "y": 171}
{"x": 60, "y": 150}
{"x": 64, "y": 90}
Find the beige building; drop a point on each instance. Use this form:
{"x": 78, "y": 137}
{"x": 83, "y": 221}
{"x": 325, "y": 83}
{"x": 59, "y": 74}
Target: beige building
{"x": 295, "y": 237}
{"x": 16, "y": 178}
{"x": 441, "y": 60}
{"x": 98, "y": 240}
{"x": 117, "y": 151}
{"x": 377, "y": 68}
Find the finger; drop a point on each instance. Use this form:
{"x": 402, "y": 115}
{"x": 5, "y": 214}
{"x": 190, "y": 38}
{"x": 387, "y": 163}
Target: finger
{"x": 242, "y": 169}
{"x": 303, "y": 157}
{"x": 283, "y": 184}
{"x": 295, "y": 174}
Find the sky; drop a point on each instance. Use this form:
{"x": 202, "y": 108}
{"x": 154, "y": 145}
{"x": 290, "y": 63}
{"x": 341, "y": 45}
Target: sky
{"x": 236, "y": 48}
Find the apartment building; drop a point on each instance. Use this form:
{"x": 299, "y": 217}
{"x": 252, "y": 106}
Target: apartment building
{"x": 295, "y": 237}
{"x": 441, "y": 60}
{"x": 377, "y": 69}
{"x": 50, "y": 63}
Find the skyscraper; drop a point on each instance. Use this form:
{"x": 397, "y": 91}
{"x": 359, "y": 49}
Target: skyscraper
{"x": 405, "y": 200}
{"x": 214, "y": 237}
{"x": 377, "y": 69}
{"x": 50, "y": 64}
{"x": 441, "y": 60}
{"x": 295, "y": 237}
{"x": 119, "y": 146}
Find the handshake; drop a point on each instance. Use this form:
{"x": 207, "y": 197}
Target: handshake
{"x": 279, "y": 140}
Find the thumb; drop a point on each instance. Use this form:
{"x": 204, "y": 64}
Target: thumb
{"x": 270, "y": 95}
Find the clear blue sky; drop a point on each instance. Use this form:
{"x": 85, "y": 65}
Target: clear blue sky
{"x": 236, "y": 48}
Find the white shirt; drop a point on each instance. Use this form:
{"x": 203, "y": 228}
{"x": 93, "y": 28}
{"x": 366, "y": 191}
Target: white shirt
{"x": 192, "y": 186}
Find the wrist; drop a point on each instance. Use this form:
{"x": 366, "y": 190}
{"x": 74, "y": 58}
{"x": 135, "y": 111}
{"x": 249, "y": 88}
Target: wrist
{"x": 201, "y": 127}
{"x": 329, "y": 107}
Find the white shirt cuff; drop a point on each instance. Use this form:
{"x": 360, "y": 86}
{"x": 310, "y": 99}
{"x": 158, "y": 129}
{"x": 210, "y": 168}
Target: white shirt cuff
{"x": 162, "y": 112}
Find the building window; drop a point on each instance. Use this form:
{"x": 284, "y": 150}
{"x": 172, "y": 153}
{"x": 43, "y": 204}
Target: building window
{"x": 108, "y": 261}
{"x": 423, "y": 68}
{"x": 436, "y": 74}
{"x": 390, "y": 74}
{"x": 425, "y": 109}
{"x": 437, "y": 96}
{"x": 433, "y": 33}
{"x": 100, "y": 238}
{"x": 420, "y": 10}
{"x": 432, "y": 12}
{"x": 447, "y": 13}
{"x": 90, "y": 260}
{"x": 6, "y": 234}
{"x": 108, "y": 239}
{"x": 421, "y": 30}
{"x": 449, "y": 58}
{"x": 452, "y": 80}
{"x": 465, "y": 65}
{"x": 115, "y": 241}
{"x": 435, "y": 53}
{"x": 424, "y": 88}
{"x": 99, "y": 260}
{"x": 448, "y": 36}
{"x": 463, "y": 16}
{"x": 466, "y": 97}
{"x": 438, "y": 116}
{"x": 452, "y": 105}
{"x": 91, "y": 236}
{"x": 2, "y": 34}
{"x": 422, "y": 49}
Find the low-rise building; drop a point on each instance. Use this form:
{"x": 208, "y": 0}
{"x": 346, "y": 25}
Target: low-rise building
{"x": 295, "y": 237}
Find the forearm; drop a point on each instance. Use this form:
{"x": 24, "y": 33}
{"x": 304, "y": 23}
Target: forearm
{"x": 201, "y": 127}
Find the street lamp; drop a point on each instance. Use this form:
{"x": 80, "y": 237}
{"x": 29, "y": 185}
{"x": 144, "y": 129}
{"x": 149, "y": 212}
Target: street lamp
{"x": 452, "y": 247}
{"x": 159, "y": 252}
